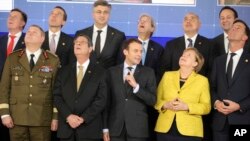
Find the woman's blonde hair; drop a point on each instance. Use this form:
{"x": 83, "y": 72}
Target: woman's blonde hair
{"x": 198, "y": 58}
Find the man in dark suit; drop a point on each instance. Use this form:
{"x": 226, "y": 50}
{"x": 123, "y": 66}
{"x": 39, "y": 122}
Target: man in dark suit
{"x": 152, "y": 52}
{"x": 106, "y": 39}
{"x": 57, "y": 41}
{"x": 230, "y": 84}
{"x": 16, "y": 22}
{"x": 80, "y": 95}
{"x": 227, "y": 16}
{"x": 175, "y": 48}
{"x": 132, "y": 89}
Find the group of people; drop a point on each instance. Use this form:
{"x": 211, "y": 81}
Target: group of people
{"x": 98, "y": 85}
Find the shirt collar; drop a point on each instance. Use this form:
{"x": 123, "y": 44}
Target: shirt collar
{"x": 85, "y": 64}
{"x": 104, "y": 29}
{"x": 36, "y": 53}
{"x": 126, "y": 65}
{"x": 225, "y": 35}
{"x": 238, "y": 52}
{"x": 18, "y": 35}
{"x": 193, "y": 38}
{"x": 57, "y": 33}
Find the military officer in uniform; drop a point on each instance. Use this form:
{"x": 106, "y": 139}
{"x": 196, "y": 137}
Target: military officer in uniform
{"x": 26, "y": 106}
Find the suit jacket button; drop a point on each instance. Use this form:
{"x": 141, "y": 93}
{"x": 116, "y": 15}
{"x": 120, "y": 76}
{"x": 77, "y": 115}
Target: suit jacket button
{"x": 76, "y": 101}
{"x": 126, "y": 99}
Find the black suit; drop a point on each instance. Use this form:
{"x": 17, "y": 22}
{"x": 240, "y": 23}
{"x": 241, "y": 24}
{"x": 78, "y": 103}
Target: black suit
{"x": 126, "y": 110}
{"x": 4, "y": 46}
{"x": 110, "y": 51}
{"x": 238, "y": 91}
{"x": 175, "y": 48}
{"x": 218, "y": 45}
{"x": 88, "y": 102}
{"x": 64, "y": 49}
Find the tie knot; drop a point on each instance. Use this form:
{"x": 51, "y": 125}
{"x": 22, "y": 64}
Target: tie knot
{"x": 80, "y": 67}
{"x": 53, "y": 35}
{"x": 12, "y": 36}
{"x": 130, "y": 68}
{"x": 99, "y": 31}
{"x": 32, "y": 56}
{"x": 232, "y": 54}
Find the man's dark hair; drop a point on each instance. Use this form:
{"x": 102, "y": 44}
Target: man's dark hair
{"x": 229, "y": 8}
{"x": 90, "y": 44}
{"x": 246, "y": 26}
{"x": 64, "y": 12}
{"x": 24, "y": 15}
{"x": 102, "y": 3}
{"x": 126, "y": 43}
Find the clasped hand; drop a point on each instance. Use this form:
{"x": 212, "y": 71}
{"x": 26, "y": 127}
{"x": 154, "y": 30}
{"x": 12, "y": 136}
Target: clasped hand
{"x": 74, "y": 121}
{"x": 176, "y": 105}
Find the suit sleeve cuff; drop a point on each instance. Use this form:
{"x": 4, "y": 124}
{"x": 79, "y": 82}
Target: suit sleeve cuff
{"x": 136, "y": 89}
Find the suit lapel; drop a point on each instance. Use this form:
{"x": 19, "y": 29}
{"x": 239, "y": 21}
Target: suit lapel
{"x": 240, "y": 67}
{"x": 190, "y": 79}
{"x": 150, "y": 54}
{"x": 120, "y": 80}
{"x": 223, "y": 71}
{"x": 198, "y": 42}
{"x": 20, "y": 43}
{"x": 24, "y": 62}
{"x": 109, "y": 38}
{"x": 72, "y": 77}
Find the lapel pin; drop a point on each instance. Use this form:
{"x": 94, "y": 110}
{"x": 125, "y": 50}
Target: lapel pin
{"x": 89, "y": 71}
{"x": 246, "y": 60}
{"x": 199, "y": 43}
{"x": 152, "y": 49}
{"x": 63, "y": 44}
{"x": 113, "y": 33}
{"x": 22, "y": 42}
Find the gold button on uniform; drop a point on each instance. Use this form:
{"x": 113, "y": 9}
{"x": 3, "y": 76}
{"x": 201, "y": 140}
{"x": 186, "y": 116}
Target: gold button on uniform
{"x": 30, "y": 104}
{"x": 31, "y": 76}
{"x": 31, "y": 86}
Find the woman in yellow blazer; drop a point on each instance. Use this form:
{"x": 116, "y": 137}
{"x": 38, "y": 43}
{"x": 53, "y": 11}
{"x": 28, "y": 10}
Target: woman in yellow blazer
{"x": 182, "y": 98}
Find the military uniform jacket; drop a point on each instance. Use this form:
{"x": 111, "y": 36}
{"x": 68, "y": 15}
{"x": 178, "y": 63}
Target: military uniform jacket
{"x": 27, "y": 95}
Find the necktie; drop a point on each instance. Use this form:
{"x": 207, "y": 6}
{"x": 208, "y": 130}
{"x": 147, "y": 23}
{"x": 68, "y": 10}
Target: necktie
{"x": 128, "y": 87}
{"x": 32, "y": 63}
{"x": 98, "y": 43}
{"x": 79, "y": 77}
{"x": 11, "y": 44}
{"x": 230, "y": 68}
{"x": 143, "y": 52}
{"x": 52, "y": 45}
{"x": 190, "y": 44}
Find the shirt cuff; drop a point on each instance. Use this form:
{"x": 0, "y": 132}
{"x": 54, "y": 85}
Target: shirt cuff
{"x": 136, "y": 89}
{"x": 105, "y": 130}
{"x": 3, "y": 116}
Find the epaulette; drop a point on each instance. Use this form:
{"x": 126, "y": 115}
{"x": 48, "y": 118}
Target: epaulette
{"x": 21, "y": 52}
{"x": 45, "y": 53}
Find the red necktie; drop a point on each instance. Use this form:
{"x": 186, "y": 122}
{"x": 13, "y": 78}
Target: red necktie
{"x": 11, "y": 44}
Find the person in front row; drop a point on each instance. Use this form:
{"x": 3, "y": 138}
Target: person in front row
{"x": 26, "y": 105}
{"x": 132, "y": 89}
{"x": 80, "y": 95}
{"x": 182, "y": 98}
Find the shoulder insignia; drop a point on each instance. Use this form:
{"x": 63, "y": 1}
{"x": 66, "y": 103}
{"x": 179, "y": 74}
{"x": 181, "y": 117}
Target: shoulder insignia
{"x": 21, "y": 52}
